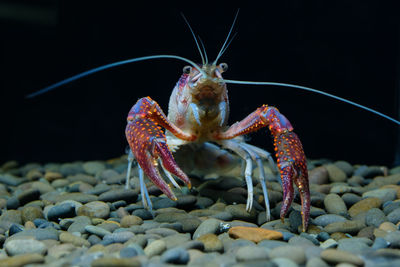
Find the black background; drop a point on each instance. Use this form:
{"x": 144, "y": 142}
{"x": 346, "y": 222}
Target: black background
{"x": 347, "y": 49}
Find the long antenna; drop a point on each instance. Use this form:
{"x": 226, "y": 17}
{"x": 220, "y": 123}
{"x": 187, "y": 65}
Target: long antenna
{"x": 317, "y": 92}
{"x": 109, "y": 66}
{"x": 195, "y": 39}
{"x": 226, "y": 40}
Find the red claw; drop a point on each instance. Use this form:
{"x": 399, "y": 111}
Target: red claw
{"x": 148, "y": 143}
{"x": 293, "y": 168}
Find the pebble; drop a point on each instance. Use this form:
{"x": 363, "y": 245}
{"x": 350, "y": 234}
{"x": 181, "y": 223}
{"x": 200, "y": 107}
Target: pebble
{"x": 354, "y": 245}
{"x": 113, "y": 195}
{"x": 296, "y": 254}
{"x": 22, "y": 260}
{"x": 334, "y": 204}
{"x": 364, "y": 206}
{"x": 119, "y": 237}
{"x": 115, "y": 262}
{"x": 350, "y": 199}
{"x": 94, "y": 209}
{"x": 211, "y": 243}
{"x": 334, "y": 256}
{"x": 317, "y": 262}
{"x": 318, "y": 175}
{"x": 79, "y": 224}
{"x": 254, "y": 234}
{"x": 252, "y": 253}
{"x": 155, "y": 248}
{"x": 25, "y": 246}
{"x": 375, "y": 217}
{"x": 303, "y": 241}
{"x": 394, "y": 216}
{"x": 351, "y": 227}
{"x": 66, "y": 237}
{"x": 79, "y": 197}
{"x": 239, "y": 212}
{"x": 129, "y": 220}
{"x": 40, "y": 234}
{"x": 336, "y": 175}
{"x": 64, "y": 210}
{"x": 326, "y": 219}
{"x": 209, "y": 226}
{"x": 384, "y": 194}
{"x": 175, "y": 256}
{"x": 394, "y": 239}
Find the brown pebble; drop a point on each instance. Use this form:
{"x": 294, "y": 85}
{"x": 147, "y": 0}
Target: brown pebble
{"x": 254, "y": 234}
{"x": 334, "y": 256}
{"x": 388, "y": 226}
{"x": 22, "y": 260}
{"x": 338, "y": 235}
{"x": 211, "y": 243}
{"x": 364, "y": 205}
{"x": 129, "y": 220}
{"x": 379, "y": 233}
{"x": 29, "y": 225}
{"x": 51, "y": 176}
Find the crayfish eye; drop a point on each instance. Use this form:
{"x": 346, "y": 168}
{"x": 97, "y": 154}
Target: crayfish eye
{"x": 187, "y": 69}
{"x": 223, "y": 66}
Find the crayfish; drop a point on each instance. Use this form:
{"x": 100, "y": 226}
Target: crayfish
{"x": 198, "y": 115}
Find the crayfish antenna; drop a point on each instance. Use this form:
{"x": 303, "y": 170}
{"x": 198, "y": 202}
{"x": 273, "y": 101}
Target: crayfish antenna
{"x": 314, "y": 91}
{"x": 109, "y": 66}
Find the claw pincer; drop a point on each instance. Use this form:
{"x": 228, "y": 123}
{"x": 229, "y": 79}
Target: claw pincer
{"x": 148, "y": 143}
{"x": 291, "y": 162}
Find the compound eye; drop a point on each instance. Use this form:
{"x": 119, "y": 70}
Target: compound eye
{"x": 223, "y": 66}
{"x": 187, "y": 69}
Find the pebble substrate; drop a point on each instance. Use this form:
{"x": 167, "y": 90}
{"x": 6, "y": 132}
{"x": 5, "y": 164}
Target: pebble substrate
{"x": 80, "y": 214}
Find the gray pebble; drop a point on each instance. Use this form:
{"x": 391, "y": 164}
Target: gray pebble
{"x": 385, "y": 194}
{"x": 326, "y": 219}
{"x": 203, "y": 202}
{"x": 380, "y": 243}
{"x": 334, "y": 204}
{"x": 163, "y": 203}
{"x": 79, "y": 224}
{"x": 300, "y": 241}
{"x": 310, "y": 238}
{"x": 128, "y": 252}
{"x": 293, "y": 253}
{"x": 394, "y": 239}
{"x": 40, "y": 234}
{"x": 94, "y": 239}
{"x": 316, "y": 262}
{"x": 143, "y": 213}
{"x": 65, "y": 210}
{"x": 353, "y": 245}
{"x": 295, "y": 220}
{"x": 350, "y": 199}
{"x": 162, "y": 231}
{"x": 272, "y": 244}
{"x": 96, "y": 230}
{"x": 119, "y": 237}
{"x": 394, "y": 216}
{"x": 252, "y": 253}
{"x": 209, "y": 226}
{"x": 375, "y": 217}
{"x": 24, "y": 246}
{"x": 175, "y": 256}
{"x": 113, "y": 195}
{"x": 390, "y": 206}
{"x": 322, "y": 236}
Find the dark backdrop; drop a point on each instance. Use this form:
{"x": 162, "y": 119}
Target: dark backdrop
{"x": 347, "y": 49}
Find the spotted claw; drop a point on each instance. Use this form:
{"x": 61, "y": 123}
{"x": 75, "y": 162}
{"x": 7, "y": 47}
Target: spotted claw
{"x": 293, "y": 168}
{"x": 148, "y": 143}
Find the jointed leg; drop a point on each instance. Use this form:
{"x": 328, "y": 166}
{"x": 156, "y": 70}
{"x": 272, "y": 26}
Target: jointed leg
{"x": 289, "y": 152}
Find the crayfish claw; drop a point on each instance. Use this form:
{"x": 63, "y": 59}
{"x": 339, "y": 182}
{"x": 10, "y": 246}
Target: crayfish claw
{"x": 293, "y": 169}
